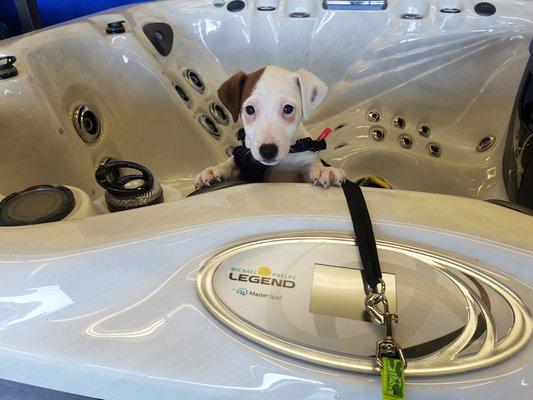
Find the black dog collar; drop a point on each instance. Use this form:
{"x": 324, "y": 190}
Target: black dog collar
{"x": 254, "y": 171}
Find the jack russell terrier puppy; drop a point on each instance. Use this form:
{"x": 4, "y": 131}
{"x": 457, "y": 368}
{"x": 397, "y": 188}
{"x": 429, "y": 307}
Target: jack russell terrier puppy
{"x": 276, "y": 147}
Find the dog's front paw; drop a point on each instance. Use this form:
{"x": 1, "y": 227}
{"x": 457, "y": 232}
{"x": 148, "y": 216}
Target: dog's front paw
{"x": 207, "y": 177}
{"x": 327, "y": 176}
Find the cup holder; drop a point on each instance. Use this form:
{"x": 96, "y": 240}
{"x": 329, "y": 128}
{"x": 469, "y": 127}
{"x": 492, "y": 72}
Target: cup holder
{"x": 86, "y": 123}
{"x": 45, "y": 203}
{"x": 36, "y": 205}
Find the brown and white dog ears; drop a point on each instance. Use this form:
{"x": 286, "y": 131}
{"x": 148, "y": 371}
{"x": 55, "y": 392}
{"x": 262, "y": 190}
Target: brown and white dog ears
{"x": 233, "y": 92}
{"x": 312, "y": 90}
{"x": 237, "y": 89}
{"x": 230, "y": 94}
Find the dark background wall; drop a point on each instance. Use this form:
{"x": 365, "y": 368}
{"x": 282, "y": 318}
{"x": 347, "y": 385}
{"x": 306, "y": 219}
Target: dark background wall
{"x": 8, "y": 17}
{"x": 56, "y": 11}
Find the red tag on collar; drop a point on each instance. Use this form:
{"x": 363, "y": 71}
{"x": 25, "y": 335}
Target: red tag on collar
{"x": 325, "y": 133}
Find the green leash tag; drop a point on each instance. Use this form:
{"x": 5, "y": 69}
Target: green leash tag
{"x": 392, "y": 379}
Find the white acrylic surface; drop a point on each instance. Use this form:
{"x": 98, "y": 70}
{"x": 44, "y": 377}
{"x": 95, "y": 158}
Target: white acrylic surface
{"x": 106, "y": 306}
{"x": 457, "y": 73}
{"x": 122, "y": 318}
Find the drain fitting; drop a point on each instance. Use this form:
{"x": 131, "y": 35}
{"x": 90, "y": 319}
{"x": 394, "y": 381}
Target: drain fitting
{"x": 86, "y": 123}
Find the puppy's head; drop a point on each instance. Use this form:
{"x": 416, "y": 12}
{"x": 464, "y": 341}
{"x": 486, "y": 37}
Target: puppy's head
{"x": 272, "y": 103}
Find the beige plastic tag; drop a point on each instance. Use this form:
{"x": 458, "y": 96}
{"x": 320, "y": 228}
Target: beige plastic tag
{"x": 340, "y": 292}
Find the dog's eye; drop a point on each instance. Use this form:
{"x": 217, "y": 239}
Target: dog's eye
{"x": 288, "y": 109}
{"x": 250, "y": 110}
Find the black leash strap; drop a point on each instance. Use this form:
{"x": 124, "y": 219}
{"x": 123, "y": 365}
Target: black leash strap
{"x": 362, "y": 226}
{"x": 389, "y": 355}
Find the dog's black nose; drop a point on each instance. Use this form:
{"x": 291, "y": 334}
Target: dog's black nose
{"x": 268, "y": 151}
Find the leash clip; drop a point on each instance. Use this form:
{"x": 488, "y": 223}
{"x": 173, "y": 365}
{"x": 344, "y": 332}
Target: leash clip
{"x": 390, "y": 359}
{"x": 388, "y": 346}
{"x": 373, "y": 299}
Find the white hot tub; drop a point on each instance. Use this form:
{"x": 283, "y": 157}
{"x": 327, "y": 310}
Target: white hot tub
{"x": 427, "y": 95}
